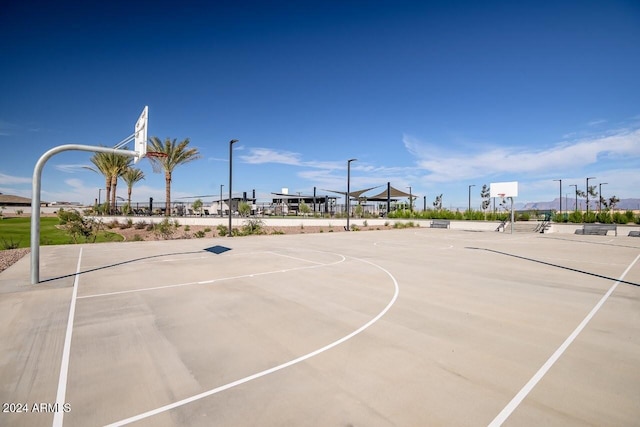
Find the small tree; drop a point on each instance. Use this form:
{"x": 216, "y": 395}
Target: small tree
{"x": 78, "y": 226}
{"x": 304, "y": 209}
{"x": 437, "y": 204}
{"x": 485, "y": 194}
{"x": 197, "y": 206}
{"x": 244, "y": 209}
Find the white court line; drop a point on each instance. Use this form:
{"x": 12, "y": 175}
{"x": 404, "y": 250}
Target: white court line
{"x": 271, "y": 370}
{"x": 207, "y": 282}
{"x": 64, "y": 365}
{"x": 515, "y": 402}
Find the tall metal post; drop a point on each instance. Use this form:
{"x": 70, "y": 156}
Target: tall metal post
{"x": 472, "y": 185}
{"x": 591, "y": 177}
{"x": 600, "y": 195}
{"x": 233, "y": 141}
{"x": 560, "y": 194}
{"x": 348, "y": 195}
{"x": 576, "y": 194}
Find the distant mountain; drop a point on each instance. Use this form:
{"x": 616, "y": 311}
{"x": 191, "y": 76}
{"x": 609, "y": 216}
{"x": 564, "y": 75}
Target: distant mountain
{"x": 570, "y": 204}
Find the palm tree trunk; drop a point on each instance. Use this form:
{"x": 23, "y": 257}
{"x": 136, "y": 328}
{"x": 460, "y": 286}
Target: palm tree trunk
{"x": 107, "y": 186}
{"x": 114, "y": 185}
{"x": 167, "y": 178}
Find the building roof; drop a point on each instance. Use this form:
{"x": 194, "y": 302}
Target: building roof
{"x": 7, "y": 199}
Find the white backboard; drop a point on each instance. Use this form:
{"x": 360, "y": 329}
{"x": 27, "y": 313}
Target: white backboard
{"x": 140, "y": 145}
{"x": 504, "y": 189}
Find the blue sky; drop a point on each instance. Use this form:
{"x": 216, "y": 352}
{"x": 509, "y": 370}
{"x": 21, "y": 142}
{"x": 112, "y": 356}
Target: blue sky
{"x": 432, "y": 95}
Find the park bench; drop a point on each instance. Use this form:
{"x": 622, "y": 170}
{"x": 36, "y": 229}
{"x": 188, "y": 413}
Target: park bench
{"x": 440, "y": 223}
{"x": 597, "y": 229}
{"x": 634, "y": 233}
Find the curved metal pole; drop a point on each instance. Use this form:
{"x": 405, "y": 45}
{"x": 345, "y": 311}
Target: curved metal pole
{"x": 35, "y": 197}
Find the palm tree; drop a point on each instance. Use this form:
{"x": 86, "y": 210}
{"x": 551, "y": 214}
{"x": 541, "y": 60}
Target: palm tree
{"x": 101, "y": 162}
{"x": 131, "y": 176}
{"x": 111, "y": 166}
{"x": 172, "y": 155}
{"x": 119, "y": 165}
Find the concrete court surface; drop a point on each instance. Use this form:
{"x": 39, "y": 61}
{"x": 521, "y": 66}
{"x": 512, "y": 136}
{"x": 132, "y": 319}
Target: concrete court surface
{"x": 413, "y": 327}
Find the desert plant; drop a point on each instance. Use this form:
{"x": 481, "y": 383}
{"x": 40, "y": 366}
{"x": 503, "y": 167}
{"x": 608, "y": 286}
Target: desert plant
{"x": 164, "y": 229}
{"x": 9, "y": 244}
{"x": 207, "y": 229}
{"x": 199, "y": 234}
{"x": 253, "y": 226}
{"x": 79, "y": 226}
{"x": 222, "y": 230}
{"x": 137, "y": 238}
{"x": 140, "y": 225}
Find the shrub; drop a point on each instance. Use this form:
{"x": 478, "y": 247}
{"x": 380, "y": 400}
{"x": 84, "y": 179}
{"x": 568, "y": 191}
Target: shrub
{"x": 77, "y": 225}
{"x": 620, "y": 218}
{"x": 409, "y": 224}
{"x": 165, "y": 229}
{"x": 137, "y": 238}
{"x": 9, "y": 244}
{"x": 187, "y": 228}
{"x": 199, "y": 234}
{"x": 222, "y": 230}
{"x": 365, "y": 223}
{"x": 140, "y": 225}
{"x": 207, "y": 229}
{"x": 253, "y": 226}
{"x": 524, "y": 216}
{"x": 589, "y": 217}
{"x": 355, "y": 228}
{"x": 575, "y": 217}
{"x": 629, "y": 215}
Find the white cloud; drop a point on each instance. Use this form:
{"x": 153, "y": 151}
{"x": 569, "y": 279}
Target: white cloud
{"x": 267, "y": 155}
{"x": 446, "y": 165}
{"x": 72, "y": 168}
{"x": 12, "y": 180}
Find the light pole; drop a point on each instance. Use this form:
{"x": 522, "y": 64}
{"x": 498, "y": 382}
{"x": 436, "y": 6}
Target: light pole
{"x": 410, "y": 200}
{"x": 472, "y": 185}
{"x": 233, "y": 141}
{"x": 600, "y": 195}
{"x": 591, "y": 177}
{"x": 349, "y": 190}
{"x": 560, "y": 194}
{"x": 221, "y": 208}
{"x": 576, "y": 186}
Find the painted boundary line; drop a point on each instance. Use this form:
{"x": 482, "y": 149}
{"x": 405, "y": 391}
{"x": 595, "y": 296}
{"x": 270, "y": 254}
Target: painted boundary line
{"x": 275, "y": 368}
{"x": 210, "y": 281}
{"x": 64, "y": 365}
{"x": 515, "y": 402}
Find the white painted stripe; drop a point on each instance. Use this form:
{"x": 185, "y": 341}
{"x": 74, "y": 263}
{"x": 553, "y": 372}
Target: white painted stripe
{"x": 64, "y": 365}
{"x": 206, "y": 282}
{"x": 515, "y": 402}
{"x": 271, "y": 370}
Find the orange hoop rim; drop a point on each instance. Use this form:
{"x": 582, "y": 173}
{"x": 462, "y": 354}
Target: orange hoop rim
{"x": 155, "y": 154}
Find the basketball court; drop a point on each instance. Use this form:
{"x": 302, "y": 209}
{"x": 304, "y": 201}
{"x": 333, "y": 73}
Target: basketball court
{"x": 380, "y": 328}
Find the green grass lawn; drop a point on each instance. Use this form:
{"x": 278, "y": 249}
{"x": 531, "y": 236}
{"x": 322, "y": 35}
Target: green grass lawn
{"x": 16, "y": 232}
